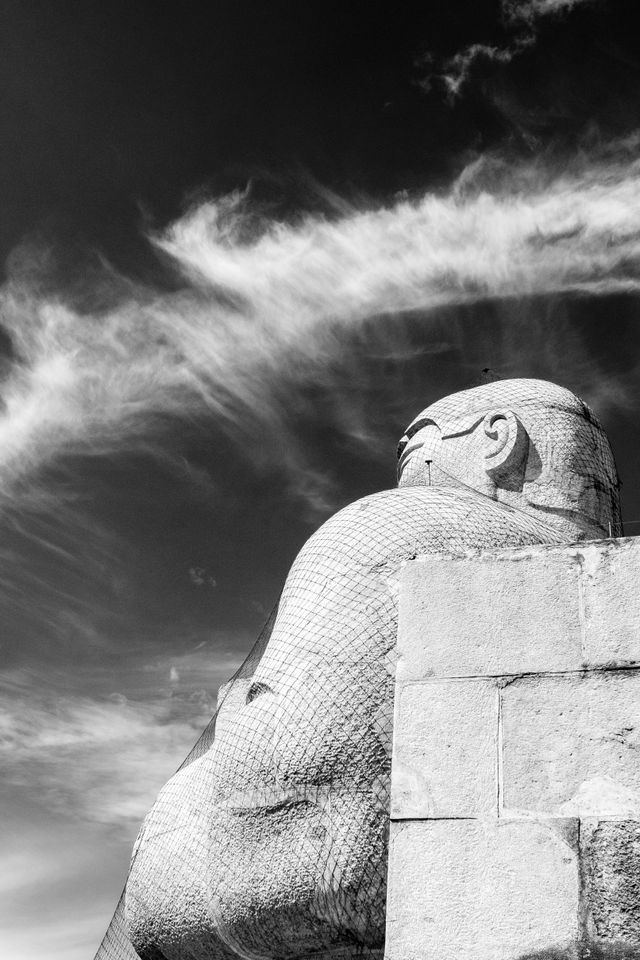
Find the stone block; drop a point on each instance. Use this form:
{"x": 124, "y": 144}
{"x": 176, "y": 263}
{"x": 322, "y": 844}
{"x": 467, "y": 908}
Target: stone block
{"x": 516, "y": 611}
{"x": 471, "y": 890}
{"x": 445, "y": 749}
{"x": 571, "y": 744}
{"x": 611, "y": 581}
{"x": 610, "y": 855}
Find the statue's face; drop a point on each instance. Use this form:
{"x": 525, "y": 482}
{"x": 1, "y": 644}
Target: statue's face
{"x": 419, "y": 454}
{"x": 302, "y": 769}
{"x": 440, "y": 447}
{"x": 562, "y": 470}
{"x": 274, "y": 842}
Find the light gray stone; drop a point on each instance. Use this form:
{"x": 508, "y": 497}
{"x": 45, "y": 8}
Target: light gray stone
{"x": 445, "y": 754}
{"x": 611, "y": 585}
{"x": 468, "y": 890}
{"x": 564, "y": 736}
{"x": 518, "y": 613}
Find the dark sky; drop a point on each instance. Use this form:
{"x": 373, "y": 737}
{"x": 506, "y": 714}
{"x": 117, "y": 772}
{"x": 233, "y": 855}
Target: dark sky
{"x": 115, "y": 112}
{"x": 244, "y": 244}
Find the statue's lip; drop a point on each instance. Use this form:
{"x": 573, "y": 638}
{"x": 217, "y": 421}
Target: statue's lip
{"x": 271, "y": 798}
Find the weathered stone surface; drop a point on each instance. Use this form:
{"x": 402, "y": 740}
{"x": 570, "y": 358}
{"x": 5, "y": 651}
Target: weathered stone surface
{"x": 519, "y": 613}
{"x": 446, "y": 736}
{"x": 468, "y": 890}
{"x": 611, "y": 584}
{"x": 560, "y": 733}
{"x": 610, "y": 854}
{"x": 567, "y": 733}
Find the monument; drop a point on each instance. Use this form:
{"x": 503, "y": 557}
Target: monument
{"x": 272, "y": 842}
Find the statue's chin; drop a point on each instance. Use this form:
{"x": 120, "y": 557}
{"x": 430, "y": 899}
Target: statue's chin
{"x": 302, "y": 878}
{"x": 276, "y": 882}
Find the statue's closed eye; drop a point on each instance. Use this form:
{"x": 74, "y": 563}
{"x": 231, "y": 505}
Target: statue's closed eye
{"x": 256, "y": 690}
{"x": 412, "y": 429}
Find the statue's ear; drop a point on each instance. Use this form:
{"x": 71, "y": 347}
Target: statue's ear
{"x": 506, "y": 444}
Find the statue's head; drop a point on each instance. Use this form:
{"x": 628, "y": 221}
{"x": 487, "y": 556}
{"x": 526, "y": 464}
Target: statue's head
{"x": 528, "y": 443}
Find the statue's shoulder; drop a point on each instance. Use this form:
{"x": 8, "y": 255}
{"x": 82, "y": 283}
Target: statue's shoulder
{"x": 383, "y": 523}
{"x": 408, "y": 520}
{"x": 398, "y": 500}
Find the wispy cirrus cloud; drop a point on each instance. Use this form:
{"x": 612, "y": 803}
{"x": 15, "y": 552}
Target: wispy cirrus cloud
{"x": 530, "y": 10}
{"x": 265, "y": 311}
{"x": 58, "y": 876}
{"x": 80, "y": 770}
{"x": 96, "y": 760}
{"x": 102, "y": 759}
{"x": 521, "y": 20}
{"x": 63, "y": 938}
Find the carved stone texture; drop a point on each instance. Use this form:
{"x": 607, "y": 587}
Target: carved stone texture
{"x": 272, "y": 843}
{"x": 611, "y": 865}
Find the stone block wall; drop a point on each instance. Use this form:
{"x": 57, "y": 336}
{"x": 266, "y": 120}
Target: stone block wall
{"x": 515, "y": 810}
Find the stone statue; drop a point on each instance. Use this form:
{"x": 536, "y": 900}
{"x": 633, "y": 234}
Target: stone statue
{"x": 273, "y": 843}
